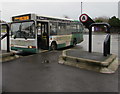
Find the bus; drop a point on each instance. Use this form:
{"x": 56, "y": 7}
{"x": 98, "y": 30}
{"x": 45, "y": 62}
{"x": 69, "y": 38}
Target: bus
{"x": 33, "y": 33}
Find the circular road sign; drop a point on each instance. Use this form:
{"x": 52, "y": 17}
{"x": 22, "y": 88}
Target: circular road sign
{"x": 83, "y": 18}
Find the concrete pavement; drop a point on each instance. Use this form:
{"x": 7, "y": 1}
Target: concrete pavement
{"x": 94, "y": 61}
{"x": 7, "y": 56}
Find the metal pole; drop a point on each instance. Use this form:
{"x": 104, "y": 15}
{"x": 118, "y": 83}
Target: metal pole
{"x": 109, "y": 40}
{"x": 90, "y": 39}
{"x": 0, "y": 37}
{"x": 0, "y": 30}
{"x": 104, "y": 49}
{"x": 81, "y": 7}
{"x": 109, "y": 45}
{"x": 8, "y": 40}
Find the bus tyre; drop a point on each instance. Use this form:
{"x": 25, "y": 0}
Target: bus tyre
{"x": 53, "y": 46}
{"x": 74, "y": 42}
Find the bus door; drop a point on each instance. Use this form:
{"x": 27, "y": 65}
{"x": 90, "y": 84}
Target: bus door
{"x": 42, "y": 35}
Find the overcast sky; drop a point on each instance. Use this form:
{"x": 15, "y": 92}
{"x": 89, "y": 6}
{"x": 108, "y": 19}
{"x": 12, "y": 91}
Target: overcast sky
{"x": 59, "y": 9}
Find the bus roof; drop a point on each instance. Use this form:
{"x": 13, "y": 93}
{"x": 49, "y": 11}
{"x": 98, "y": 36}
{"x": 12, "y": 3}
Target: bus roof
{"x": 54, "y": 18}
{"x": 33, "y": 16}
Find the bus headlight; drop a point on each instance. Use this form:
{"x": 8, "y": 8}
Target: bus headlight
{"x": 31, "y": 46}
{"x": 12, "y": 45}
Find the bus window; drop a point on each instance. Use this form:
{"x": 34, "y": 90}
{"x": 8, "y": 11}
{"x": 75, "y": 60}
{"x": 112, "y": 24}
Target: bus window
{"x": 44, "y": 29}
{"x": 53, "y": 29}
{"x": 39, "y": 30}
{"x": 68, "y": 28}
{"x": 80, "y": 28}
{"x": 74, "y": 28}
{"x": 62, "y": 29}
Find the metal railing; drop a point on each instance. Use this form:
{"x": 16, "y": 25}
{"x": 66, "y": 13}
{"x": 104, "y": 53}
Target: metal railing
{"x": 5, "y": 35}
{"x": 106, "y": 49}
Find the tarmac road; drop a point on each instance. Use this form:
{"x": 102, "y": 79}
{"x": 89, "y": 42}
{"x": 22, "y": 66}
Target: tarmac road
{"x": 31, "y": 74}
{"x": 42, "y": 73}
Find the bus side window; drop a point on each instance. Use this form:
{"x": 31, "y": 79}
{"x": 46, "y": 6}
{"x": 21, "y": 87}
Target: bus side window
{"x": 62, "y": 29}
{"x": 68, "y": 28}
{"x": 72, "y": 28}
{"x": 53, "y": 29}
{"x": 80, "y": 28}
{"x": 39, "y": 29}
{"x": 44, "y": 30}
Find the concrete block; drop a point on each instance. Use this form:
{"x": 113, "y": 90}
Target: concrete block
{"x": 109, "y": 65}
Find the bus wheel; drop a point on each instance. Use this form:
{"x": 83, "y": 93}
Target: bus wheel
{"x": 53, "y": 46}
{"x": 74, "y": 42}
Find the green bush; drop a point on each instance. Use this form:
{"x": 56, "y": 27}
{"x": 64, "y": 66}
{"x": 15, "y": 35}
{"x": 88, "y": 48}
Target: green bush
{"x": 114, "y": 22}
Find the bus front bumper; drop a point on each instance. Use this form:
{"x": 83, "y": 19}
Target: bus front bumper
{"x": 29, "y": 50}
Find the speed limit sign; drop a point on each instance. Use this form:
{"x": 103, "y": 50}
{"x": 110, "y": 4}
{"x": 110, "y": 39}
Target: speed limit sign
{"x": 83, "y": 17}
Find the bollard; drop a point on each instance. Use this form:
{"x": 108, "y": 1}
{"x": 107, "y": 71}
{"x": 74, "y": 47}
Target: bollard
{"x": 106, "y": 45}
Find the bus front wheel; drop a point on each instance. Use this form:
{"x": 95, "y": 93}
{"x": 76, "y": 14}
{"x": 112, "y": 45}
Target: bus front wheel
{"x": 53, "y": 46}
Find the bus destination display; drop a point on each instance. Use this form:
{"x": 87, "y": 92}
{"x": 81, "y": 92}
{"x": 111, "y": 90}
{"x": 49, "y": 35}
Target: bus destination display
{"x": 21, "y": 18}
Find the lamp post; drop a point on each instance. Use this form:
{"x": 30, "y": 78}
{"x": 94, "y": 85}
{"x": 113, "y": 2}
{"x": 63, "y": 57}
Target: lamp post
{"x": 81, "y": 7}
{"x": 0, "y": 15}
{"x": 0, "y": 30}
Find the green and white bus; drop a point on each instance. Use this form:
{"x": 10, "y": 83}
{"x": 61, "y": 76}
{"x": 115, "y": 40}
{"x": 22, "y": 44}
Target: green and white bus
{"x": 33, "y": 33}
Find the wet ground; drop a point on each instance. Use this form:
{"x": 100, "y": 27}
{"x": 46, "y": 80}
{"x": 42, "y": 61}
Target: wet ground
{"x": 42, "y": 73}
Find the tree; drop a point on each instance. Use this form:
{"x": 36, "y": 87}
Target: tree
{"x": 114, "y": 22}
{"x": 98, "y": 21}
{"x": 101, "y": 19}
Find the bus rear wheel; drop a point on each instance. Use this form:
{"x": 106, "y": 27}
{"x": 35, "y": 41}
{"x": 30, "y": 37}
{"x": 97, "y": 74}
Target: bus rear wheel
{"x": 53, "y": 46}
{"x": 74, "y": 42}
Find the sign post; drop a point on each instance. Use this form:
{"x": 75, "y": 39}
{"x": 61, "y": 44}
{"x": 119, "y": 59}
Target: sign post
{"x": 87, "y": 21}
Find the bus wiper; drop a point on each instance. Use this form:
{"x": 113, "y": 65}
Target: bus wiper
{"x": 17, "y": 32}
{"x": 14, "y": 37}
{"x": 20, "y": 33}
{"x": 25, "y": 37}
{"x": 24, "y": 34}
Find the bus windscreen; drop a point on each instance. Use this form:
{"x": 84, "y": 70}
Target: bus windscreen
{"x": 23, "y": 30}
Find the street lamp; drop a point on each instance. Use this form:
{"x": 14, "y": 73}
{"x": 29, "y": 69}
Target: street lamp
{"x": 0, "y": 15}
{"x": 81, "y": 7}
